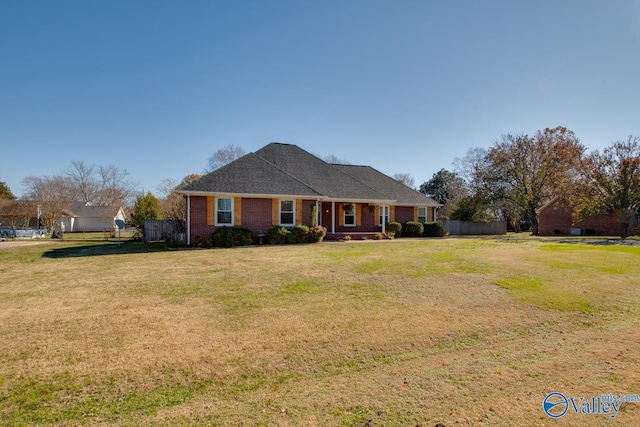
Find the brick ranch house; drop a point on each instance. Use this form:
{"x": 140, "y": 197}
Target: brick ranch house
{"x": 556, "y": 217}
{"x": 282, "y": 184}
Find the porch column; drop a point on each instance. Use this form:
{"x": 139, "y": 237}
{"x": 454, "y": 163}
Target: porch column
{"x": 188, "y": 220}
{"x": 333, "y": 217}
{"x": 383, "y": 209}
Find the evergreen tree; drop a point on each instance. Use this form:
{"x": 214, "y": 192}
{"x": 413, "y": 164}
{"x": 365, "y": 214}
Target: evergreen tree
{"x": 146, "y": 207}
{"x": 5, "y": 192}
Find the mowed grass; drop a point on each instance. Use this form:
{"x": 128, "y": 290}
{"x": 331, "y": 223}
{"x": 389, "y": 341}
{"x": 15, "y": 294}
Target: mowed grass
{"x": 405, "y": 332}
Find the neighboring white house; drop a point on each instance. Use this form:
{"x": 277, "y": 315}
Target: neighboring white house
{"x": 80, "y": 217}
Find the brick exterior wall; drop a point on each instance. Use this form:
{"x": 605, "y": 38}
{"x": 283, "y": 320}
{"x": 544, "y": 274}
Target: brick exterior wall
{"x": 557, "y": 219}
{"x": 199, "y": 227}
{"x": 404, "y": 214}
{"x": 256, "y": 214}
{"x": 306, "y": 212}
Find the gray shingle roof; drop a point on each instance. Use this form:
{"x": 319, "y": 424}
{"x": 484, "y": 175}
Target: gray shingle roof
{"x": 324, "y": 177}
{"x": 388, "y": 186}
{"x": 251, "y": 174}
{"x": 79, "y": 209}
{"x": 285, "y": 169}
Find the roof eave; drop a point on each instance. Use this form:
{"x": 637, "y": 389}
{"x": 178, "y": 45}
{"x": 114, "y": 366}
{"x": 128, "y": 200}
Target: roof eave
{"x": 280, "y": 196}
{"x": 248, "y": 195}
{"x": 427, "y": 204}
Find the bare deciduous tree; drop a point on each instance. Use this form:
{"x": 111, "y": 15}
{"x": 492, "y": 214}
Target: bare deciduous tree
{"x": 223, "y": 156}
{"x": 471, "y": 167}
{"x": 333, "y": 159}
{"x": 53, "y": 195}
{"x": 83, "y": 176}
{"x": 117, "y": 188}
{"x": 18, "y": 212}
{"x": 104, "y": 186}
{"x": 172, "y": 204}
{"x": 406, "y": 179}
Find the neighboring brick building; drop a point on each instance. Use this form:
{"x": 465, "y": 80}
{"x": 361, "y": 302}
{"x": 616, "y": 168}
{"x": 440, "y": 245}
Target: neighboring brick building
{"x": 556, "y": 217}
{"x": 281, "y": 184}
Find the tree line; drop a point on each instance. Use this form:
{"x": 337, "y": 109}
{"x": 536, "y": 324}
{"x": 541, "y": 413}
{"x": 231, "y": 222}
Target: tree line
{"x": 47, "y": 197}
{"x": 511, "y": 180}
{"x": 520, "y": 173}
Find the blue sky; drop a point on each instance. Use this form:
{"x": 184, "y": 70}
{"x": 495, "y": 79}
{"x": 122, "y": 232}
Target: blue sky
{"x": 155, "y": 87}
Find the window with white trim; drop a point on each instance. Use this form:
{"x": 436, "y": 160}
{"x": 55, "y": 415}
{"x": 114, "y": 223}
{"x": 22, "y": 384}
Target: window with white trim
{"x": 349, "y": 216}
{"x": 287, "y": 212}
{"x": 384, "y": 215}
{"x": 422, "y": 214}
{"x": 224, "y": 211}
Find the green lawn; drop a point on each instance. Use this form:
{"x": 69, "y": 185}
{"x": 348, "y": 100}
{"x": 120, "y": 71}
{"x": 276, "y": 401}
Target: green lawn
{"x": 456, "y": 331}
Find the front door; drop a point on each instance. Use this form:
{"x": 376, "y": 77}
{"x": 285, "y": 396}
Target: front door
{"x": 326, "y": 215}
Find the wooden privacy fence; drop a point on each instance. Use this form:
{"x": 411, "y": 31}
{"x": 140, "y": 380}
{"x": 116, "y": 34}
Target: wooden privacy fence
{"x": 467, "y": 227}
{"x": 161, "y": 230}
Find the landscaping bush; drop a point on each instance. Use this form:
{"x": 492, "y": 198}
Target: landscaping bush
{"x": 435, "y": 229}
{"x": 300, "y": 234}
{"x": 222, "y": 238}
{"x": 173, "y": 243}
{"x": 242, "y": 236}
{"x": 228, "y": 237}
{"x": 394, "y": 227}
{"x": 277, "y": 235}
{"x": 203, "y": 242}
{"x": 317, "y": 233}
{"x": 412, "y": 229}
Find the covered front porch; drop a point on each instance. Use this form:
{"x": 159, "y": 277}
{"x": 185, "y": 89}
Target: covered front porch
{"x": 343, "y": 218}
{"x": 360, "y": 219}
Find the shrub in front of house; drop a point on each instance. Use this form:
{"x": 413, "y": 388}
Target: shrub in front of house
{"x": 277, "y": 235}
{"x": 242, "y": 236}
{"x": 412, "y": 229}
{"x": 300, "y": 234}
{"x": 173, "y": 243}
{"x": 222, "y": 238}
{"x": 228, "y": 237}
{"x": 435, "y": 229}
{"x": 317, "y": 233}
{"x": 394, "y": 228}
{"x": 202, "y": 242}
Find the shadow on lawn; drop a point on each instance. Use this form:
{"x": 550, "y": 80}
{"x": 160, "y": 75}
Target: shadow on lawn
{"x": 81, "y": 251}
